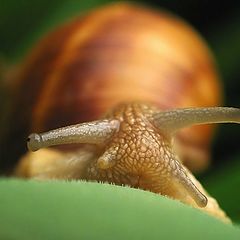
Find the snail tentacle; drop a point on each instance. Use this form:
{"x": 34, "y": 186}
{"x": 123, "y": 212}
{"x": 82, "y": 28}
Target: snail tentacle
{"x": 171, "y": 121}
{"x": 108, "y": 159}
{"x": 180, "y": 174}
{"x": 96, "y": 132}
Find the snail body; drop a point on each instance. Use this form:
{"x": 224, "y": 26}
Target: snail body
{"x": 120, "y": 74}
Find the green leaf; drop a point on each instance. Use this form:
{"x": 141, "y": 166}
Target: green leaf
{"x": 80, "y": 210}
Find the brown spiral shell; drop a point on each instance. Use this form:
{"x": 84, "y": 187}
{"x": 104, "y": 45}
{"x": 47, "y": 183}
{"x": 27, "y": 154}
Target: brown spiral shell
{"x": 114, "y": 54}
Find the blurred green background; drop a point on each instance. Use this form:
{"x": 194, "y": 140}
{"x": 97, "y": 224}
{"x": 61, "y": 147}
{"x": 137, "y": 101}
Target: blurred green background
{"x": 23, "y": 22}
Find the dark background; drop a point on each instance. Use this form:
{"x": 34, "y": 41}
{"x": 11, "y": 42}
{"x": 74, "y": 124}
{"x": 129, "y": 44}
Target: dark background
{"x": 23, "y": 22}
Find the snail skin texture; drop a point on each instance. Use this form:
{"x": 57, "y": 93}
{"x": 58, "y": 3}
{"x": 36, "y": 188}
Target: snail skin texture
{"x": 128, "y": 83}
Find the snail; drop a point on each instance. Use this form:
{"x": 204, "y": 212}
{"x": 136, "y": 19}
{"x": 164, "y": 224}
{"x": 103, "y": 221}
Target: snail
{"x": 123, "y": 87}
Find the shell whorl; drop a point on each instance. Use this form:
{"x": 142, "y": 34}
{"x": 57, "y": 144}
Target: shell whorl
{"x": 118, "y": 53}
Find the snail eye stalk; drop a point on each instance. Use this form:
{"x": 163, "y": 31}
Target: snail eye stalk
{"x": 171, "y": 121}
{"x": 96, "y": 132}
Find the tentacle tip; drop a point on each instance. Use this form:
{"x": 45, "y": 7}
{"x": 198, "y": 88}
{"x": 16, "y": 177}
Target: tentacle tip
{"x": 202, "y": 201}
{"x": 33, "y": 142}
{"x": 103, "y": 163}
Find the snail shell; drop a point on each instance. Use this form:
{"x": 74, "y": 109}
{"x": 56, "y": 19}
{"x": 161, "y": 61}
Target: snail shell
{"x": 118, "y": 53}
